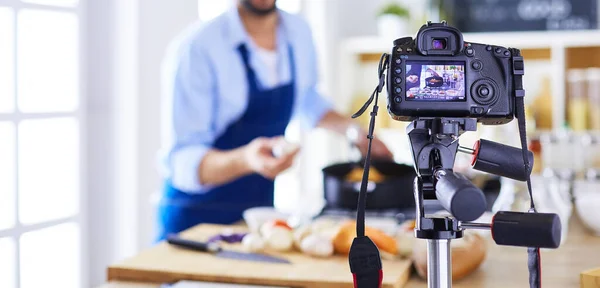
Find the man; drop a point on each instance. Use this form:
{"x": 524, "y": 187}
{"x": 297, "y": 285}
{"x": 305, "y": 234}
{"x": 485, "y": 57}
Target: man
{"x": 413, "y": 76}
{"x": 233, "y": 85}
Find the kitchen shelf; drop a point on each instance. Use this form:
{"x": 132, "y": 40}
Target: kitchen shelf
{"x": 521, "y": 40}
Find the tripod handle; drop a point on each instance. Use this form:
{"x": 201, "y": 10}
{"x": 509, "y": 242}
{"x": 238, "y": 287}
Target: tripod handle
{"x": 526, "y": 229}
{"x": 499, "y": 159}
{"x": 459, "y": 196}
{"x": 541, "y": 230}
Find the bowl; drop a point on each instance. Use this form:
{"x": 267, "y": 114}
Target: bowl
{"x": 588, "y": 209}
{"x": 255, "y": 217}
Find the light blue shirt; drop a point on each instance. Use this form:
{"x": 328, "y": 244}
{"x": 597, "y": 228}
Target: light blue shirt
{"x": 205, "y": 88}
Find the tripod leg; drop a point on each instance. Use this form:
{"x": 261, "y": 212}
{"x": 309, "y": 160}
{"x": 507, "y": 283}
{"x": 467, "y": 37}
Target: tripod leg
{"x": 418, "y": 193}
{"x": 439, "y": 264}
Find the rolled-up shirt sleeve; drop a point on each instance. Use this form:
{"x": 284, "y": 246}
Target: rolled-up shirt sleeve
{"x": 313, "y": 108}
{"x": 313, "y": 105}
{"x": 193, "y": 95}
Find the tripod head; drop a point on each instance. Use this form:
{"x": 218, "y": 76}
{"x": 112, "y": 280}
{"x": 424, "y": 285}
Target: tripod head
{"x": 434, "y": 144}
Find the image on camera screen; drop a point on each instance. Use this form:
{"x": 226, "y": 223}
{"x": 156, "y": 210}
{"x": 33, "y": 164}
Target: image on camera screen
{"x": 435, "y": 81}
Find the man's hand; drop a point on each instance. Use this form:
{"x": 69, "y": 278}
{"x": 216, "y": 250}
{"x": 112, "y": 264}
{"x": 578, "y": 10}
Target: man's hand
{"x": 344, "y": 125}
{"x": 378, "y": 148}
{"x": 412, "y": 78}
{"x": 359, "y": 138}
{"x": 259, "y": 158}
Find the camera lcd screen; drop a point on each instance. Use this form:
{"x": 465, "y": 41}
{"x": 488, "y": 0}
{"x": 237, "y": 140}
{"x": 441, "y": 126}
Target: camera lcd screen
{"x": 435, "y": 81}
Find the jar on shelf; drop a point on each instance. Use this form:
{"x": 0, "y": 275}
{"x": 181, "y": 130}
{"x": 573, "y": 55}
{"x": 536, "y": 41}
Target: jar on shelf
{"x": 535, "y": 147}
{"x": 577, "y": 142}
{"x": 560, "y": 150}
{"x": 594, "y": 153}
{"x": 548, "y": 148}
{"x": 593, "y": 93}
{"x": 577, "y": 112}
{"x": 589, "y": 151}
{"x": 567, "y": 151}
{"x": 542, "y": 106}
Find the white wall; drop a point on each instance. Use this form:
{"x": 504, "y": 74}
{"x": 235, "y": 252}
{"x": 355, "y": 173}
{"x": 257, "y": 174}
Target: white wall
{"x": 100, "y": 149}
{"x": 126, "y": 42}
{"x": 160, "y": 21}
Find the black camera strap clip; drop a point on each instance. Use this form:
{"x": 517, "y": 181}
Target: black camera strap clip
{"x": 518, "y": 66}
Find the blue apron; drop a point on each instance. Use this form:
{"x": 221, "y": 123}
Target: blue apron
{"x": 267, "y": 114}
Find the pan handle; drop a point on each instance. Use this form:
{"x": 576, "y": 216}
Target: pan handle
{"x": 370, "y": 186}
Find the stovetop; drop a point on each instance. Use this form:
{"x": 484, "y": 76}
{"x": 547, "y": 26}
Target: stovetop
{"x": 397, "y": 214}
{"x": 400, "y": 215}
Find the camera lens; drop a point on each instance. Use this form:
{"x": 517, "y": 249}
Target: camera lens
{"x": 438, "y": 44}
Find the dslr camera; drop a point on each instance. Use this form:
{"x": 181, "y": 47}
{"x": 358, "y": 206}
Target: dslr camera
{"x": 438, "y": 74}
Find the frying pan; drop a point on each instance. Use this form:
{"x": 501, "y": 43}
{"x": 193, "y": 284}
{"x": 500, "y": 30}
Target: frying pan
{"x": 434, "y": 81}
{"x": 395, "y": 191}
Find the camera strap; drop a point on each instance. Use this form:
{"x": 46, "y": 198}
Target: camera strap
{"x": 534, "y": 257}
{"x": 364, "y": 258}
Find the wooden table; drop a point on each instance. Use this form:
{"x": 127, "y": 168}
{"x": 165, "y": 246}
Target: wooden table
{"x": 507, "y": 266}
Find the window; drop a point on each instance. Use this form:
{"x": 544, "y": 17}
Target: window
{"x": 40, "y": 131}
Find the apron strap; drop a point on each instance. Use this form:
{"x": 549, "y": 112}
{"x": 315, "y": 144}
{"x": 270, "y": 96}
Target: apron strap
{"x": 251, "y": 75}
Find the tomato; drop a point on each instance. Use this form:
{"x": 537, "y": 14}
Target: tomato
{"x": 280, "y": 223}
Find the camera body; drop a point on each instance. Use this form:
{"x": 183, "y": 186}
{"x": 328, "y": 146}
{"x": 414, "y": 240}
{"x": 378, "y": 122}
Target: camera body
{"x": 439, "y": 75}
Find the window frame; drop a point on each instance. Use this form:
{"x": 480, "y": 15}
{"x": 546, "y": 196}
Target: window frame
{"x": 15, "y": 117}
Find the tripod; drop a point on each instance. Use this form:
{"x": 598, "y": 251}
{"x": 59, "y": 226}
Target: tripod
{"x": 434, "y": 144}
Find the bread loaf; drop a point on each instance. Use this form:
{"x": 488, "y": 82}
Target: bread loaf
{"x": 347, "y": 233}
{"x": 467, "y": 255}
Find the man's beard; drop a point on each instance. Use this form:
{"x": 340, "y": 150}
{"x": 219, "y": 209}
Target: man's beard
{"x": 258, "y": 11}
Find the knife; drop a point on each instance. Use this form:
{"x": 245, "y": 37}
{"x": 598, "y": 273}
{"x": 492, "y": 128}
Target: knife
{"x": 216, "y": 250}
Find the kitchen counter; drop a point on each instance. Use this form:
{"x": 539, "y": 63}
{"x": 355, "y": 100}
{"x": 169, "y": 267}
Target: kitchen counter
{"x": 507, "y": 266}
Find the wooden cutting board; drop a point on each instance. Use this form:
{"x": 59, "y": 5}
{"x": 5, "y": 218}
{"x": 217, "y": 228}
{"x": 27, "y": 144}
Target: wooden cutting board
{"x": 167, "y": 264}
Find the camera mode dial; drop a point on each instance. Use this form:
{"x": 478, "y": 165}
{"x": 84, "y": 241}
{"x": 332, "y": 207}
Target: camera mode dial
{"x": 404, "y": 41}
{"x": 484, "y": 91}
